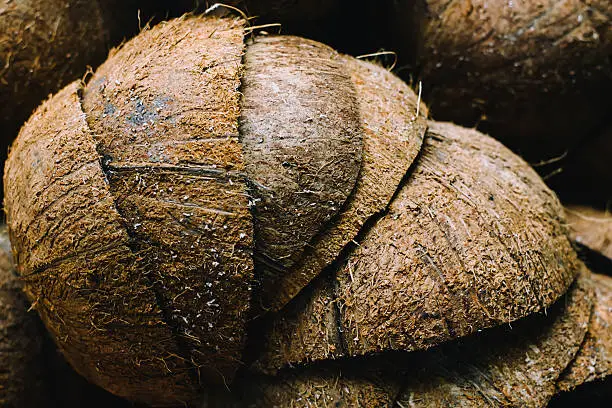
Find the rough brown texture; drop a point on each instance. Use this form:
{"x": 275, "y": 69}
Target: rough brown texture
{"x": 22, "y": 372}
{"x": 591, "y": 227}
{"x": 457, "y": 251}
{"x": 43, "y": 45}
{"x": 302, "y": 144}
{"x": 594, "y": 360}
{"x": 515, "y": 367}
{"x": 534, "y": 74}
{"x": 392, "y": 138}
{"x": 132, "y": 206}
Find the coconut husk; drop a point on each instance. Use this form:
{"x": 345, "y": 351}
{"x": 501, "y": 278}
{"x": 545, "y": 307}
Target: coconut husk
{"x": 594, "y": 360}
{"x": 392, "y": 138}
{"x": 515, "y": 366}
{"x": 590, "y": 227}
{"x": 23, "y": 377}
{"x": 459, "y": 250}
{"x": 535, "y": 75}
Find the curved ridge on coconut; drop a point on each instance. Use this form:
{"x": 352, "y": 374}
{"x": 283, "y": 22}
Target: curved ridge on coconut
{"x": 472, "y": 240}
{"x": 590, "y": 227}
{"x": 73, "y": 252}
{"x": 516, "y": 365}
{"x": 23, "y": 381}
{"x": 392, "y": 137}
{"x": 163, "y": 111}
{"x": 594, "y": 359}
{"x": 302, "y": 145}
{"x": 535, "y": 74}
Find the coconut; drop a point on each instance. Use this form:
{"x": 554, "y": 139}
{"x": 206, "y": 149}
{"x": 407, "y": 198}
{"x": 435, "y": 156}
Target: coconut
{"x": 473, "y": 239}
{"x": 136, "y": 201}
{"x": 536, "y": 74}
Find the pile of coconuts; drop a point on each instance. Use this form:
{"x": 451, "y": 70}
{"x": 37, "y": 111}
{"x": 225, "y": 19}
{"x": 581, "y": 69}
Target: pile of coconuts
{"x": 221, "y": 217}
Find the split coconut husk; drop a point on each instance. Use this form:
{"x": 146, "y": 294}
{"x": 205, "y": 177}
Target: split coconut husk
{"x": 473, "y": 239}
{"x": 140, "y": 186}
{"x": 534, "y": 74}
{"x": 515, "y": 365}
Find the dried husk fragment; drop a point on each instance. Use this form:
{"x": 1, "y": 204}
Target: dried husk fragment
{"x": 472, "y": 240}
{"x": 591, "y": 227}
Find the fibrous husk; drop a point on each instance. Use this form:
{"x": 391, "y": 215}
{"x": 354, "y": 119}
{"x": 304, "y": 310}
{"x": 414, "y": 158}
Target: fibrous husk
{"x": 44, "y": 45}
{"x": 515, "y": 366}
{"x": 594, "y": 360}
{"x": 591, "y": 227}
{"x": 534, "y": 74}
{"x": 472, "y": 240}
{"x": 129, "y": 197}
{"x": 392, "y": 138}
{"x": 23, "y": 381}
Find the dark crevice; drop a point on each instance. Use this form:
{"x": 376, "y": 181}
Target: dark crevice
{"x": 338, "y": 306}
{"x": 594, "y": 260}
{"x": 133, "y": 245}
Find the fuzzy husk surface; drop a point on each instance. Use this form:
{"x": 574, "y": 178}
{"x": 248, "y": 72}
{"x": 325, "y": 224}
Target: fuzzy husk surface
{"x": 534, "y": 74}
{"x": 591, "y": 227}
{"x": 458, "y": 250}
{"x": 131, "y": 198}
{"x": 43, "y": 46}
{"x": 514, "y": 365}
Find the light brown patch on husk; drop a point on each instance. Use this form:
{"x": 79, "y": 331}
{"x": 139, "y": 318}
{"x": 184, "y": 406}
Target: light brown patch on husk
{"x": 594, "y": 359}
{"x": 164, "y": 113}
{"x": 73, "y": 253}
{"x": 534, "y": 74}
{"x": 514, "y": 367}
{"x": 23, "y": 381}
{"x": 591, "y": 227}
{"x": 473, "y": 239}
{"x": 303, "y": 148}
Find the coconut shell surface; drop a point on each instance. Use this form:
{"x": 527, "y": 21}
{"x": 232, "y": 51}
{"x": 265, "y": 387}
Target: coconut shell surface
{"x": 534, "y": 74}
{"x": 515, "y": 365}
{"x": 392, "y": 138}
{"x": 594, "y": 360}
{"x": 23, "y": 381}
{"x": 472, "y": 240}
{"x": 591, "y": 227}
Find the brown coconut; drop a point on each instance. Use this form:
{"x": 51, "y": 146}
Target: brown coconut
{"x": 472, "y": 240}
{"x": 591, "y": 227}
{"x": 534, "y": 74}
{"x": 153, "y": 183}
{"x": 515, "y": 365}
{"x": 23, "y": 375}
